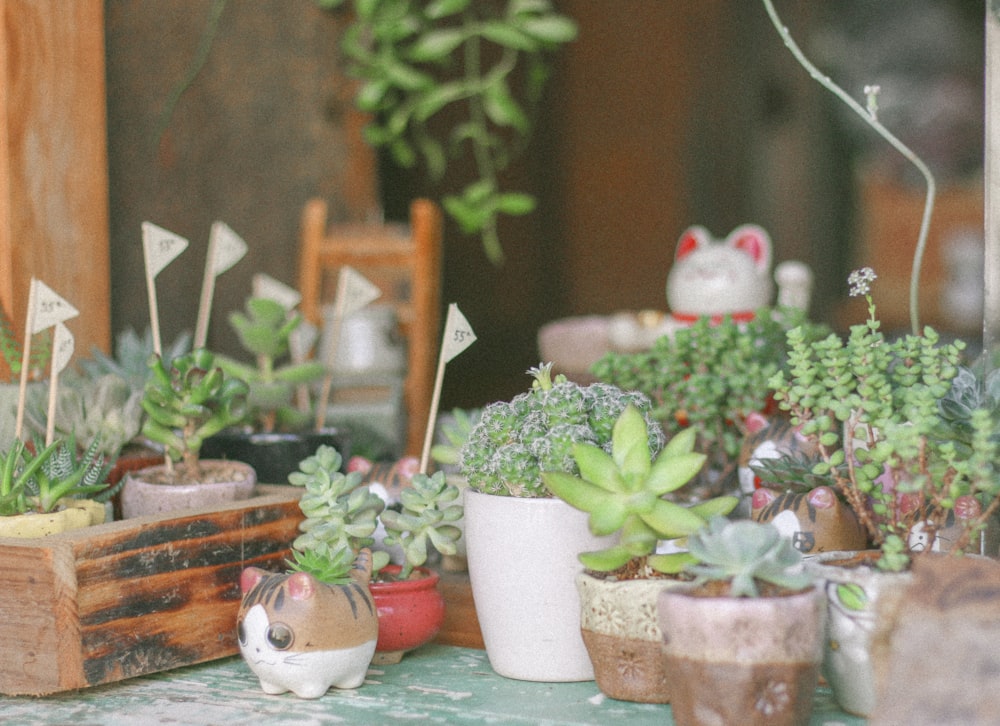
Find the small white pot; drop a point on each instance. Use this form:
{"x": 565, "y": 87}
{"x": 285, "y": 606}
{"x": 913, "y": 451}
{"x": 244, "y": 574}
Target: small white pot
{"x": 522, "y": 566}
{"x": 147, "y": 492}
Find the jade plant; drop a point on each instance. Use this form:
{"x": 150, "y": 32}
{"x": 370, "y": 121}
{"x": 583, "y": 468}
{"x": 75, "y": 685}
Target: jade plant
{"x": 264, "y": 329}
{"x": 709, "y": 377}
{"x": 342, "y": 515}
{"x": 873, "y": 406}
{"x": 749, "y": 557}
{"x": 38, "y": 477}
{"x": 623, "y": 493}
{"x": 449, "y": 78}
{"x": 189, "y": 402}
{"x": 515, "y": 441}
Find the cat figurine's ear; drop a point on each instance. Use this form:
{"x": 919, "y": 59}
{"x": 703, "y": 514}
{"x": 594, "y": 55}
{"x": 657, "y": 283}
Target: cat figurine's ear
{"x": 755, "y": 242}
{"x": 302, "y": 585}
{"x": 250, "y": 577}
{"x": 693, "y": 238}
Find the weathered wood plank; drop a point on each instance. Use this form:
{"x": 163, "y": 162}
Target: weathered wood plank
{"x": 135, "y": 596}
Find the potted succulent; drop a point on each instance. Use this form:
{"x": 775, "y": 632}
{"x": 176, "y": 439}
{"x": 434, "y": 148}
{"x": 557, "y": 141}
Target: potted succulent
{"x": 342, "y": 517}
{"x": 743, "y": 643}
{"x": 50, "y": 489}
{"x": 917, "y": 469}
{"x": 710, "y": 376}
{"x": 623, "y": 494}
{"x": 185, "y": 404}
{"x": 276, "y": 432}
{"x": 521, "y": 541}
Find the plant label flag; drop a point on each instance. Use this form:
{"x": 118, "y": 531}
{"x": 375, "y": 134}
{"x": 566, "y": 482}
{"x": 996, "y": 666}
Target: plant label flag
{"x": 458, "y": 334}
{"x": 266, "y": 286}
{"x": 354, "y": 290}
{"x": 160, "y": 247}
{"x": 48, "y": 307}
{"x": 226, "y": 246}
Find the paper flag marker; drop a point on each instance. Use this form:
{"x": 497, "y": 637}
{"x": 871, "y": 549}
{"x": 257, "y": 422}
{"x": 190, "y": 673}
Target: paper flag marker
{"x": 266, "y": 286}
{"x": 49, "y": 307}
{"x": 225, "y": 249}
{"x": 161, "y": 247}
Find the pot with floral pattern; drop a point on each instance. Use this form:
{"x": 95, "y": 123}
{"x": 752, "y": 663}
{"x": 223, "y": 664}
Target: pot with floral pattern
{"x": 620, "y": 630}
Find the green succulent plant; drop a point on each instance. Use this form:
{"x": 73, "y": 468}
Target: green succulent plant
{"x": 37, "y": 478}
{"x": 105, "y": 410}
{"x": 880, "y": 414}
{"x": 745, "y": 554}
{"x": 515, "y": 441}
{"x": 130, "y": 360}
{"x": 341, "y": 516}
{"x": 429, "y": 511}
{"x": 708, "y": 377}
{"x": 623, "y": 493}
{"x": 189, "y": 402}
{"x": 265, "y": 329}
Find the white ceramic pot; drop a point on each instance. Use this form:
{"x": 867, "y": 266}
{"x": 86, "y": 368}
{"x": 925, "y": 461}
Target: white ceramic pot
{"x": 522, "y": 556}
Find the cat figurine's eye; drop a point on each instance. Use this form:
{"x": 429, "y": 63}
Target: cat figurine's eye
{"x": 280, "y": 636}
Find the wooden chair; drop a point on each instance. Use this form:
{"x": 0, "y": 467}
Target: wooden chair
{"x": 405, "y": 262}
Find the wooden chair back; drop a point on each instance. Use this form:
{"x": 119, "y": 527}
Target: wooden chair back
{"x": 404, "y": 261}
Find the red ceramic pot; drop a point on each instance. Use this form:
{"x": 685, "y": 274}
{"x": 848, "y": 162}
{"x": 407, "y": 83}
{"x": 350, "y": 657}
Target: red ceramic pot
{"x": 410, "y": 613}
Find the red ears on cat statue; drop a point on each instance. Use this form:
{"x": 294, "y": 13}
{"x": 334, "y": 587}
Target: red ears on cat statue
{"x": 301, "y": 585}
{"x": 815, "y": 521}
{"x": 710, "y": 277}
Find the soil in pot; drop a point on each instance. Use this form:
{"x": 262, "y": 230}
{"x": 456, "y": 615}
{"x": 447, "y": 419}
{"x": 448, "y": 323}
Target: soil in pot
{"x": 156, "y": 490}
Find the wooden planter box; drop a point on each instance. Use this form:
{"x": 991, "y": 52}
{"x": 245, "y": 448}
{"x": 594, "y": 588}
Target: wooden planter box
{"x": 136, "y": 596}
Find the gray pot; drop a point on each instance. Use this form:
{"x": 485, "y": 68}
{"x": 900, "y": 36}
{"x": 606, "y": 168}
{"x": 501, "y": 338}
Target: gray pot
{"x": 853, "y": 587}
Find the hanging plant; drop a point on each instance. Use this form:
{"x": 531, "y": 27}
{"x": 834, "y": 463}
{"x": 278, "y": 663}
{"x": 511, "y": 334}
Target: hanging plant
{"x": 482, "y": 63}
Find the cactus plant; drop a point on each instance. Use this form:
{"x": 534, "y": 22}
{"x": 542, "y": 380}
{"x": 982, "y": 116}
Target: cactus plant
{"x": 514, "y": 442}
{"x": 623, "y": 492}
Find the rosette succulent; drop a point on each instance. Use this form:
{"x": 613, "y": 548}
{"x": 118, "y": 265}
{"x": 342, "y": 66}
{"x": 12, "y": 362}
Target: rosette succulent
{"x": 515, "y": 441}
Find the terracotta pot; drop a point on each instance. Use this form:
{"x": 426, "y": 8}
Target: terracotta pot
{"x": 522, "y": 556}
{"x": 623, "y": 638}
{"x": 148, "y": 491}
{"x": 273, "y": 455}
{"x": 72, "y": 514}
{"x": 410, "y": 613}
{"x": 854, "y": 588}
{"x": 748, "y": 661}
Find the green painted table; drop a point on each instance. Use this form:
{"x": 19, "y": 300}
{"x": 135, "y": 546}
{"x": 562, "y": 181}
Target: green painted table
{"x": 436, "y": 684}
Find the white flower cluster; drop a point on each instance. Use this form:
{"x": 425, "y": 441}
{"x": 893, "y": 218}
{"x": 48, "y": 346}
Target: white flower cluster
{"x": 861, "y": 281}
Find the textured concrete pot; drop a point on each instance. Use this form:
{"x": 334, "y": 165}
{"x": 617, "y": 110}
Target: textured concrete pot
{"x": 623, "y": 638}
{"x": 149, "y": 491}
{"x": 748, "y": 661}
{"x": 854, "y": 588}
{"x": 523, "y": 564}
{"x": 72, "y": 514}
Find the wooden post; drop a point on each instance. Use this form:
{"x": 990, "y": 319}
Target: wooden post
{"x": 53, "y": 159}
{"x": 991, "y": 302}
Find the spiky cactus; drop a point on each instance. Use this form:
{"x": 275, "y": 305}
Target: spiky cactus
{"x": 515, "y": 441}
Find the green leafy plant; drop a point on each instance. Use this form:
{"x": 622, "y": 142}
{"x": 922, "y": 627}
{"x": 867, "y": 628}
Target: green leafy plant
{"x": 479, "y": 67}
{"x": 342, "y": 515}
{"x": 12, "y": 352}
{"x": 455, "y": 432}
{"x": 429, "y": 511}
{"x": 104, "y": 411}
{"x": 515, "y": 441}
{"x": 38, "y": 477}
{"x": 265, "y": 329}
{"x": 130, "y": 359}
{"x": 708, "y": 377}
{"x": 745, "y": 555}
{"x": 874, "y": 408}
{"x": 189, "y": 402}
{"x": 623, "y": 493}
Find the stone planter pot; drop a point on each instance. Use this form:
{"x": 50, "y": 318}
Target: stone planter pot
{"x": 748, "y": 661}
{"x": 623, "y": 638}
{"x": 148, "y": 491}
{"x": 522, "y": 556}
{"x": 72, "y": 514}
{"x": 410, "y": 613}
{"x": 854, "y": 588}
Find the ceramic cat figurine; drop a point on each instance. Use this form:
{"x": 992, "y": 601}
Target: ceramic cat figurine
{"x": 709, "y": 277}
{"x": 815, "y": 521}
{"x": 302, "y": 635}
{"x": 767, "y": 437}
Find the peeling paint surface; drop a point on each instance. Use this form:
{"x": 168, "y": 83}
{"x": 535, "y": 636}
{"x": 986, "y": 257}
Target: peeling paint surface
{"x": 435, "y": 684}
